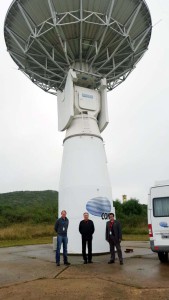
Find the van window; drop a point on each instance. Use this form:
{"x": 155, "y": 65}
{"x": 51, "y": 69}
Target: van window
{"x": 161, "y": 207}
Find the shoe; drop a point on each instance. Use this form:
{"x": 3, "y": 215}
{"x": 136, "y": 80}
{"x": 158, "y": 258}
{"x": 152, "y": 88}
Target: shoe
{"x": 58, "y": 264}
{"x": 67, "y": 263}
{"x": 90, "y": 262}
{"x": 121, "y": 262}
{"x": 111, "y": 262}
{"x": 85, "y": 261}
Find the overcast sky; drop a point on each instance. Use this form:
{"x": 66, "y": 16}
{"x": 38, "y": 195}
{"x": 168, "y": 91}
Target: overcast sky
{"x": 136, "y": 139}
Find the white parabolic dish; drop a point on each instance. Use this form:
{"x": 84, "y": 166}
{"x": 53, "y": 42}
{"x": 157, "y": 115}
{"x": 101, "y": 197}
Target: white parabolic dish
{"x": 96, "y": 38}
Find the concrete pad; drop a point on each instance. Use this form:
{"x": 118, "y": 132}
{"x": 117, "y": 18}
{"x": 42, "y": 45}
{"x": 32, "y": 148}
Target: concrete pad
{"x": 32, "y": 269}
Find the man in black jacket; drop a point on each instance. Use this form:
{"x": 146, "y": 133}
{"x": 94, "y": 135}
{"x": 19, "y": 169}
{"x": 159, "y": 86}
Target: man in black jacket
{"x": 114, "y": 237}
{"x": 61, "y": 227}
{"x": 86, "y": 228}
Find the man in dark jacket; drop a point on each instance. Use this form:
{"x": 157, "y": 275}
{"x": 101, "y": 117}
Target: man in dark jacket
{"x": 61, "y": 227}
{"x": 86, "y": 228}
{"x": 114, "y": 237}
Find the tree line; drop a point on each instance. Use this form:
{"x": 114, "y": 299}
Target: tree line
{"x": 42, "y": 207}
{"x": 132, "y": 216}
{"x": 28, "y": 207}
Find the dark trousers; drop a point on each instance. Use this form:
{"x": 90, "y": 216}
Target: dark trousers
{"x": 114, "y": 243}
{"x": 87, "y": 242}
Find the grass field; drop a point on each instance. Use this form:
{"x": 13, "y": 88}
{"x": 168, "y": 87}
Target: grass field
{"x": 135, "y": 237}
{"x": 24, "y": 234}
{"x": 27, "y": 234}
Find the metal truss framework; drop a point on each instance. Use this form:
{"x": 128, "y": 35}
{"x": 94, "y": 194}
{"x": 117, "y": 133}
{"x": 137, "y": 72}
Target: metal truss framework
{"x": 48, "y": 52}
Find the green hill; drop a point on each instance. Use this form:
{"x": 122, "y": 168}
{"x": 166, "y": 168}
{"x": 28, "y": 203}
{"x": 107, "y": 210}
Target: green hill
{"x": 41, "y": 207}
{"x": 28, "y": 207}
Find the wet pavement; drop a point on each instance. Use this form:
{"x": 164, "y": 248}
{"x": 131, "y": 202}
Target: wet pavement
{"x": 30, "y": 266}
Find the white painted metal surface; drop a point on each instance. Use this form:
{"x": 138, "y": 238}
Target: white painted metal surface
{"x": 84, "y": 176}
{"x": 98, "y": 39}
{"x": 158, "y": 215}
{"x": 84, "y": 181}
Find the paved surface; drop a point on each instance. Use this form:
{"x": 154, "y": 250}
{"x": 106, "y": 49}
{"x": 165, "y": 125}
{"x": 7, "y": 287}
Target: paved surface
{"x": 30, "y": 272}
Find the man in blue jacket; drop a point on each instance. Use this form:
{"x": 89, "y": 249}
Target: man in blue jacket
{"x": 61, "y": 227}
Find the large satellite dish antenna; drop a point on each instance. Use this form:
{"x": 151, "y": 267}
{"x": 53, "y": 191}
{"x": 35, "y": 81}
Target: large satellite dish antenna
{"x": 79, "y": 50}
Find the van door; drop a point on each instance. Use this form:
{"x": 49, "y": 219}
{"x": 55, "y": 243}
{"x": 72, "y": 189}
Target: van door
{"x": 160, "y": 222}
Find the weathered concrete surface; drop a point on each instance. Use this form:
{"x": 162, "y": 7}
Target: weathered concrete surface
{"x": 30, "y": 272}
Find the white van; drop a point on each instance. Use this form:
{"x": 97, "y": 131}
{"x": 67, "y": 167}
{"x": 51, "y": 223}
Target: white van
{"x": 158, "y": 219}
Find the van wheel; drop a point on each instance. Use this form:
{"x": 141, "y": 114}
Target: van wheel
{"x": 163, "y": 256}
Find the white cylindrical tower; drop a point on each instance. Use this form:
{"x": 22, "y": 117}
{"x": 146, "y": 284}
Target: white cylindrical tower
{"x": 84, "y": 183}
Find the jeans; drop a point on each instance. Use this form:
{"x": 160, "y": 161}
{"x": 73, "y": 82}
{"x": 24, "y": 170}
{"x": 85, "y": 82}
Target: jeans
{"x": 60, "y": 240}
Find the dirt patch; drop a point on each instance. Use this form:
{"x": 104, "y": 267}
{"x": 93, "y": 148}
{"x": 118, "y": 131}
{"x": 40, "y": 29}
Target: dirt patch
{"x": 78, "y": 289}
